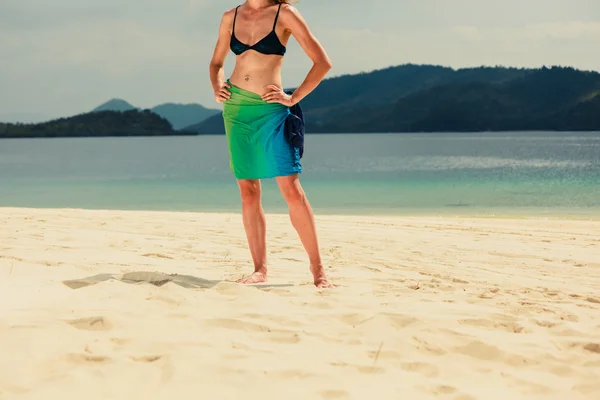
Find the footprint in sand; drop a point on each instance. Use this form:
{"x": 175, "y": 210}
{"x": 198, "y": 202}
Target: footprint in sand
{"x": 507, "y": 326}
{"x": 146, "y": 359}
{"x": 439, "y": 389}
{"x": 119, "y": 342}
{"x": 366, "y": 369}
{"x": 157, "y": 255}
{"x": 290, "y": 374}
{"x": 480, "y": 351}
{"x": 456, "y": 280}
{"x": 591, "y": 347}
{"x": 545, "y": 324}
{"x": 464, "y": 397}
{"x": 10, "y": 388}
{"x": 91, "y": 324}
{"x": 425, "y": 347}
{"x": 334, "y": 394}
{"x": 239, "y": 325}
{"x": 165, "y": 365}
{"x": 86, "y": 358}
{"x": 284, "y": 338}
{"x": 425, "y": 369}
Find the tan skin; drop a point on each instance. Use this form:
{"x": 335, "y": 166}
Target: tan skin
{"x": 261, "y": 74}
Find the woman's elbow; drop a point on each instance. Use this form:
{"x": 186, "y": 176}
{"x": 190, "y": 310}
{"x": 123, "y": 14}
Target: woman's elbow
{"x": 325, "y": 64}
{"x": 215, "y": 64}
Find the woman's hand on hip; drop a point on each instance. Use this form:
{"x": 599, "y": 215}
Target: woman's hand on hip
{"x": 223, "y": 93}
{"x": 275, "y": 94}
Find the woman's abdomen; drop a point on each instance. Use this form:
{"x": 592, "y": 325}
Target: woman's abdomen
{"x": 253, "y": 72}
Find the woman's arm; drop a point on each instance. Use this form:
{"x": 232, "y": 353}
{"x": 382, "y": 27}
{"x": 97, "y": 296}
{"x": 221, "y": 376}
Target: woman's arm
{"x": 216, "y": 70}
{"x": 313, "y": 49}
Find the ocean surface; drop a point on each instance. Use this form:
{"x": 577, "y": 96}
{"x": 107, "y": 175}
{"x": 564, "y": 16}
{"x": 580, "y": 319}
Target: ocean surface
{"x": 535, "y": 174}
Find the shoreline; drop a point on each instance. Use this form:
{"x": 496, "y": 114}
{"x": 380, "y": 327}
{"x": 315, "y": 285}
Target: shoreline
{"x": 420, "y": 213}
{"x": 192, "y": 134}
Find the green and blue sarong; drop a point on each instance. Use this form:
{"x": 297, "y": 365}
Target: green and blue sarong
{"x": 258, "y": 145}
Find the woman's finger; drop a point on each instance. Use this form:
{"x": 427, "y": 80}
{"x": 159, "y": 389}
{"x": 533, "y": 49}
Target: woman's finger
{"x": 225, "y": 92}
{"x": 271, "y": 99}
{"x": 273, "y": 88}
{"x": 270, "y": 95}
{"x": 275, "y": 99}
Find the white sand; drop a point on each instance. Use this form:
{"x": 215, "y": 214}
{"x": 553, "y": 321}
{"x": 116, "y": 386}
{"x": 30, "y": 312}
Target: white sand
{"x": 505, "y": 309}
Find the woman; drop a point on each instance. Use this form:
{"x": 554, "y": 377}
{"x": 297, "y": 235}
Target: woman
{"x": 255, "y": 110}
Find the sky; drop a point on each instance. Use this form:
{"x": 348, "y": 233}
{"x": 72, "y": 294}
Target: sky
{"x": 64, "y": 57}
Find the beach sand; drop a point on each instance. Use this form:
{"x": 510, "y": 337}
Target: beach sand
{"x": 427, "y": 307}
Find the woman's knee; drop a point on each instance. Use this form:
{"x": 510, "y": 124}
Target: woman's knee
{"x": 293, "y": 194}
{"x": 250, "y": 191}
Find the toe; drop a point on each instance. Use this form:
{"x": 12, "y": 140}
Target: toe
{"x": 324, "y": 284}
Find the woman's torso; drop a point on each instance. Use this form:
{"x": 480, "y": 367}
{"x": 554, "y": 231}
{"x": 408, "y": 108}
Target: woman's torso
{"x": 255, "y": 70}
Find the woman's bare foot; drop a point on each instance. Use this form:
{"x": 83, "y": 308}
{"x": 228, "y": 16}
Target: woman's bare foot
{"x": 324, "y": 284}
{"x": 255, "y": 277}
{"x": 320, "y": 278}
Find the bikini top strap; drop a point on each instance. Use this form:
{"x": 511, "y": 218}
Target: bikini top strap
{"x": 277, "y": 16}
{"x": 234, "y": 18}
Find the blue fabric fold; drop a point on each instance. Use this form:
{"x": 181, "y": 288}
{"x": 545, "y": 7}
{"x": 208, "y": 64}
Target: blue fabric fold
{"x": 295, "y": 127}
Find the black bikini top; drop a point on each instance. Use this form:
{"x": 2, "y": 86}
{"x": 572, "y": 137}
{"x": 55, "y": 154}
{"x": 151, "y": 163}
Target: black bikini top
{"x": 270, "y": 44}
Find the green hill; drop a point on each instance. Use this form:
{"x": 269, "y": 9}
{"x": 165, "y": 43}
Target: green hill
{"x": 115, "y": 105}
{"x": 414, "y": 98}
{"x": 179, "y": 115}
{"x": 405, "y": 98}
{"x": 531, "y": 102}
{"x": 94, "y": 124}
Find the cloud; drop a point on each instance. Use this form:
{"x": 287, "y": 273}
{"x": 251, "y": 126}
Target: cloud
{"x": 567, "y": 30}
{"x": 470, "y": 33}
{"x": 532, "y": 45}
{"x": 64, "y": 56}
{"x": 571, "y": 30}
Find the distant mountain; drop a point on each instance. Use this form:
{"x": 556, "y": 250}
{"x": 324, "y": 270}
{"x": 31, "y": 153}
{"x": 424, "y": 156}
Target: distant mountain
{"x": 540, "y": 100}
{"x": 115, "y": 105}
{"x": 183, "y": 115}
{"x": 414, "y": 98}
{"x": 210, "y": 126}
{"x": 405, "y": 98}
{"x": 179, "y": 115}
{"x": 94, "y": 124}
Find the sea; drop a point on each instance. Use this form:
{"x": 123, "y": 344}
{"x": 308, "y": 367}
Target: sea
{"x": 486, "y": 174}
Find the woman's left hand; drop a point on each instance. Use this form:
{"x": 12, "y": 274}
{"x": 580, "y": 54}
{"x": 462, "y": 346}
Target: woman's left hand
{"x": 275, "y": 94}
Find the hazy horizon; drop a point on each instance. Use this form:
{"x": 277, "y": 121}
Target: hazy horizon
{"x": 70, "y": 56}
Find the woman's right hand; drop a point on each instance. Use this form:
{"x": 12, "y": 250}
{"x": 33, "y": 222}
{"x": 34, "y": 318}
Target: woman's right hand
{"x": 223, "y": 93}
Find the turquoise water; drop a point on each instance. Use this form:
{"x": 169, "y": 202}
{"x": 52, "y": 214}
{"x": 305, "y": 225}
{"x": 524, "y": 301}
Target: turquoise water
{"x": 501, "y": 174}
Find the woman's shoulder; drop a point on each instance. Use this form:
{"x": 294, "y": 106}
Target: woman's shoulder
{"x": 288, "y": 11}
{"x": 287, "y": 8}
{"x": 229, "y": 14}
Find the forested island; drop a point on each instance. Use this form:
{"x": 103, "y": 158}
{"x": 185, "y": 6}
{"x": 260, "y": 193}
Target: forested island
{"x": 95, "y": 124}
{"x": 405, "y": 98}
{"x": 425, "y": 98}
